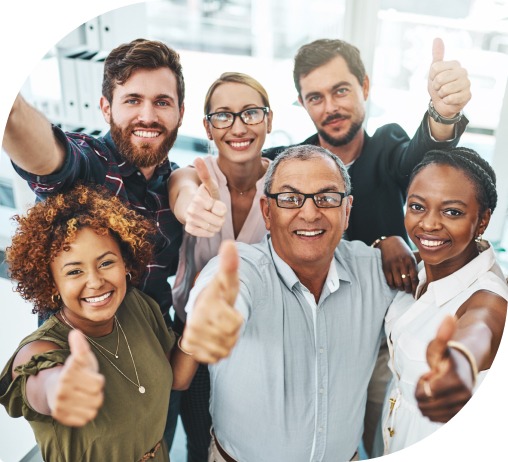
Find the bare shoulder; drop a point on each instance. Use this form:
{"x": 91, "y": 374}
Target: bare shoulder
{"x": 31, "y": 349}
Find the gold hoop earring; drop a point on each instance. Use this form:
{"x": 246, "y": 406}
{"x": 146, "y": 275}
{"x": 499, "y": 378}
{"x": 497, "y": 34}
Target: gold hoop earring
{"x": 56, "y": 298}
{"x": 129, "y": 275}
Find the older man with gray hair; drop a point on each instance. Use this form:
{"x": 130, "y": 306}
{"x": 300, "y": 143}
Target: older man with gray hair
{"x": 294, "y": 387}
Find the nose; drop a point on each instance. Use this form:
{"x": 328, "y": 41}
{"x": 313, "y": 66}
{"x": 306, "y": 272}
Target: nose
{"x": 309, "y": 211}
{"x": 430, "y": 221}
{"x": 147, "y": 113}
{"x": 95, "y": 280}
{"x": 238, "y": 127}
{"x": 331, "y": 105}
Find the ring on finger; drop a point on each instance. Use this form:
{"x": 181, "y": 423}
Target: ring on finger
{"x": 426, "y": 389}
{"x": 403, "y": 276}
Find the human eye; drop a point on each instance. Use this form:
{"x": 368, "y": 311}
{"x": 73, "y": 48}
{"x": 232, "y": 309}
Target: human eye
{"x": 314, "y": 99}
{"x": 341, "y": 91}
{"x": 416, "y": 207}
{"x": 289, "y": 200}
{"x": 74, "y": 272}
{"x": 162, "y": 103}
{"x": 453, "y": 212}
{"x": 106, "y": 263}
{"x": 131, "y": 101}
{"x": 327, "y": 199}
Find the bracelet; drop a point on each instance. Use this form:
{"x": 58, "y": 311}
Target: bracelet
{"x": 378, "y": 241}
{"x": 179, "y": 344}
{"x": 443, "y": 120}
{"x": 469, "y": 356}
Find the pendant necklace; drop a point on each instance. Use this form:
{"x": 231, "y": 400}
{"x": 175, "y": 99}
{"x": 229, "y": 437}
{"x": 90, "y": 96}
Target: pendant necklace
{"x": 242, "y": 192}
{"x": 99, "y": 348}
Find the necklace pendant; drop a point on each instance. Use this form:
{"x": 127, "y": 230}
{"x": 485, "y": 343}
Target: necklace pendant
{"x": 116, "y": 356}
{"x": 141, "y": 389}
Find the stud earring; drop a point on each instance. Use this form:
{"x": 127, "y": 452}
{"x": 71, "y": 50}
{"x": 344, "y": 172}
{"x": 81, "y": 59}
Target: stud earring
{"x": 479, "y": 238}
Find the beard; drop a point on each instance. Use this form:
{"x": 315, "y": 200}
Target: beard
{"x": 145, "y": 154}
{"x": 342, "y": 140}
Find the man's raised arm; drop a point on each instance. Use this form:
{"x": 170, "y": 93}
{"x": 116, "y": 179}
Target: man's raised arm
{"x": 29, "y": 140}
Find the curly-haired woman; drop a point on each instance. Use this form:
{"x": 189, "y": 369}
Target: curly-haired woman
{"x": 102, "y": 393}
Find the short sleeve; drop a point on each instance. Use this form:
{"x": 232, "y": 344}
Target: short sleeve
{"x": 13, "y": 392}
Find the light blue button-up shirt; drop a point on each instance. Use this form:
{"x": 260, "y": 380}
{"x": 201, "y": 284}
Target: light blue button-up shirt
{"x": 295, "y": 386}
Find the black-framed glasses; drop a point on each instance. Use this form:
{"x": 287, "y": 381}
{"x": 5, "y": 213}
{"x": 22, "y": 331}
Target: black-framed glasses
{"x": 295, "y": 200}
{"x": 250, "y": 116}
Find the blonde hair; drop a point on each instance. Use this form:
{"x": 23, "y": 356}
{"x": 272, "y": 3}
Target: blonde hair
{"x": 236, "y": 77}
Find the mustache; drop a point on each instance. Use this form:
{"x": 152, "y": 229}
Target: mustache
{"x": 333, "y": 117}
{"x": 153, "y": 125}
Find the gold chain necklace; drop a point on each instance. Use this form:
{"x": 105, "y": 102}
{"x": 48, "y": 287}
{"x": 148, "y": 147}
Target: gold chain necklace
{"x": 244, "y": 191}
{"x": 95, "y": 344}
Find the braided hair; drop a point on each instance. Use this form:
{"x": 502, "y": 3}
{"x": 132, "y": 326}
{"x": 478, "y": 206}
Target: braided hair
{"x": 477, "y": 169}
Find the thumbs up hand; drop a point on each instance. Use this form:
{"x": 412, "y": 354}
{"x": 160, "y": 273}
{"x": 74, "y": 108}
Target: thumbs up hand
{"x": 78, "y": 392}
{"x": 447, "y": 387}
{"x": 206, "y": 213}
{"x": 448, "y": 83}
{"x": 214, "y": 327}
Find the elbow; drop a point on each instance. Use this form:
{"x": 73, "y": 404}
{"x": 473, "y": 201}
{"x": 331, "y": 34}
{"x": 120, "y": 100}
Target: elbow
{"x": 181, "y": 385}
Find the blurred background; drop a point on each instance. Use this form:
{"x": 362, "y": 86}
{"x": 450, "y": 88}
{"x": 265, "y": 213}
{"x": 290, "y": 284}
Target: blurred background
{"x": 260, "y": 37}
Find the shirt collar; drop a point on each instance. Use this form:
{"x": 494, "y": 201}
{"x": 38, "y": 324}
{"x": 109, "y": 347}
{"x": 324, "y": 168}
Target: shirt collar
{"x": 289, "y": 278}
{"x": 445, "y": 289}
{"x": 126, "y": 168}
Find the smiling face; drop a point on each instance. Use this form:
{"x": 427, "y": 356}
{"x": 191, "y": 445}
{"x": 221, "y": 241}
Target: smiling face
{"x": 144, "y": 116}
{"x": 443, "y": 218}
{"x": 91, "y": 279}
{"x": 335, "y": 101}
{"x": 306, "y": 237}
{"x": 240, "y": 142}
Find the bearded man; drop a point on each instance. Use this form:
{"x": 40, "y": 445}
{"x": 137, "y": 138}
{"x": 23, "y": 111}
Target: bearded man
{"x": 143, "y": 102}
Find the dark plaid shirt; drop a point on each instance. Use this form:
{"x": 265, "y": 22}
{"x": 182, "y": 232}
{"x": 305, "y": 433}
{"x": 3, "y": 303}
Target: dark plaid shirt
{"x": 96, "y": 160}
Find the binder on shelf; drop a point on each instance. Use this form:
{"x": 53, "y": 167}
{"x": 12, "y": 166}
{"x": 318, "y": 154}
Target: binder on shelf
{"x": 97, "y": 71}
{"x": 85, "y": 83}
{"x": 122, "y": 25}
{"x": 69, "y": 83}
{"x": 93, "y": 35}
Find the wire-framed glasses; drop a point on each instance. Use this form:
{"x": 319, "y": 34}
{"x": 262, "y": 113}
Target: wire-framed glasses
{"x": 295, "y": 200}
{"x": 250, "y": 116}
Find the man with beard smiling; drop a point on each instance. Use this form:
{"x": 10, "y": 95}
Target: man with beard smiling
{"x": 143, "y": 102}
{"x": 333, "y": 87}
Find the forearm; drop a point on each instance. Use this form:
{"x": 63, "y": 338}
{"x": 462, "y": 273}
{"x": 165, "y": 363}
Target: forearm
{"x": 183, "y": 184}
{"x": 29, "y": 140}
{"x": 441, "y": 132}
{"x": 184, "y": 368}
{"x": 41, "y": 388}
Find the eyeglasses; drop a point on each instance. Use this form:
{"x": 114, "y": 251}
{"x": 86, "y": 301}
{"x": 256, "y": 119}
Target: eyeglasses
{"x": 293, "y": 200}
{"x": 250, "y": 116}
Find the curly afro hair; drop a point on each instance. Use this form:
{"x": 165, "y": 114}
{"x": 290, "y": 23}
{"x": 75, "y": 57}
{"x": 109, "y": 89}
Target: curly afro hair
{"x": 49, "y": 228}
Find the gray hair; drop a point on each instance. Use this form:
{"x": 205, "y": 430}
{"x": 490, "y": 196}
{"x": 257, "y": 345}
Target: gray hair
{"x": 305, "y": 152}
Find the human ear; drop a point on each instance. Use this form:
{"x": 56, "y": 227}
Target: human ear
{"x": 265, "y": 211}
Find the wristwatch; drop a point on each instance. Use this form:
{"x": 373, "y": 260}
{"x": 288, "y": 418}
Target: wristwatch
{"x": 440, "y": 119}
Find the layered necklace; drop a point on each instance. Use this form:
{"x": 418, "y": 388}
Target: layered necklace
{"x": 101, "y": 350}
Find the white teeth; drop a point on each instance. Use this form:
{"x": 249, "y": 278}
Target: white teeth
{"x": 98, "y": 299}
{"x": 431, "y": 243}
{"x": 144, "y": 134}
{"x": 243, "y": 144}
{"x": 309, "y": 233}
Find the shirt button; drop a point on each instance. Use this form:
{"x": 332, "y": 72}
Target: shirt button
{"x": 321, "y": 390}
{"x": 321, "y": 350}
{"x": 320, "y": 429}
{"x": 139, "y": 173}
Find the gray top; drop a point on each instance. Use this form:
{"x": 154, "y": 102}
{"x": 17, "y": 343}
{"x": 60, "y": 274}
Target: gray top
{"x": 295, "y": 386}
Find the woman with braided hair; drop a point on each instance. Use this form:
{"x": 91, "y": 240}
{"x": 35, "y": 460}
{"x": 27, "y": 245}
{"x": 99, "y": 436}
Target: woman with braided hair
{"x": 443, "y": 340}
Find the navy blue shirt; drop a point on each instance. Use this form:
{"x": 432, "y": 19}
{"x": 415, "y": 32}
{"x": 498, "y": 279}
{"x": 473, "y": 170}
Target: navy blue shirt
{"x": 97, "y": 160}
